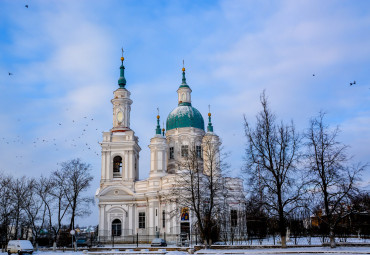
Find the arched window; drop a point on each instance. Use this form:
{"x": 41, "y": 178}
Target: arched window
{"x": 116, "y": 228}
{"x": 117, "y": 166}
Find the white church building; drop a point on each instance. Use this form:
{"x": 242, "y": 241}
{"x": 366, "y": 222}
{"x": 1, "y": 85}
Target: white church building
{"x": 128, "y": 206}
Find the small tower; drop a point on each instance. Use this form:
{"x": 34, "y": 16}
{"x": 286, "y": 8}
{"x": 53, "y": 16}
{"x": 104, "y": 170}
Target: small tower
{"x": 158, "y": 153}
{"x": 211, "y": 150}
{"x": 184, "y": 91}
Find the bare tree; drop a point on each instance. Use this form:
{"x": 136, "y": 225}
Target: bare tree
{"x": 199, "y": 186}
{"x": 334, "y": 182}
{"x": 60, "y": 201}
{"x": 19, "y": 194}
{"x": 78, "y": 180}
{"x": 43, "y": 189}
{"x": 32, "y": 206}
{"x": 6, "y": 205}
{"x": 271, "y": 164}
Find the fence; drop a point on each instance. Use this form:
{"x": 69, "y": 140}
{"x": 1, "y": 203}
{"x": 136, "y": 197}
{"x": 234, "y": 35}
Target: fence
{"x": 128, "y": 237}
{"x": 225, "y": 238}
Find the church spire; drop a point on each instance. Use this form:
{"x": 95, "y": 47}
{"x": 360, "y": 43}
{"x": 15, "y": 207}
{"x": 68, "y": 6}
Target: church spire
{"x": 158, "y": 129}
{"x": 122, "y": 80}
{"x": 183, "y": 83}
{"x": 210, "y": 126}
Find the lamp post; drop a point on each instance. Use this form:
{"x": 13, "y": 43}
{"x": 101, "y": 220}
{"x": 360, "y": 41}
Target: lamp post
{"x": 72, "y": 232}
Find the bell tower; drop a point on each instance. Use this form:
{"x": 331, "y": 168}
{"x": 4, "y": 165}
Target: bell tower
{"x": 120, "y": 148}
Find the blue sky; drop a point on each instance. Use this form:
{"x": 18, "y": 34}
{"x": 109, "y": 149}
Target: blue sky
{"x": 64, "y": 56}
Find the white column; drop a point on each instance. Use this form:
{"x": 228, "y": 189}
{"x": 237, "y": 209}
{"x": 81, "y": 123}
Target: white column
{"x": 127, "y": 113}
{"x": 156, "y": 217}
{"x": 102, "y": 219}
{"x": 107, "y": 165}
{"x": 132, "y": 166}
{"x": 130, "y": 219}
{"x": 103, "y": 171}
{"x": 127, "y": 165}
{"x": 160, "y": 161}
{"x": 150, "y": 217}
{"x": 152, "y": 161}
{"x": 137, "y": 168}
{"x": 173, "y": 219}
{"x": 165, "y": 160}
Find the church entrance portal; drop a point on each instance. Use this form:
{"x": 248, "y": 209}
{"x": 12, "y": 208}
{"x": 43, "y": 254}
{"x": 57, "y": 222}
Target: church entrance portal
{"x": 184, "y": 233}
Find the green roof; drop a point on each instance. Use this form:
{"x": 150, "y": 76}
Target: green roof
{"x": 184, "y": 116}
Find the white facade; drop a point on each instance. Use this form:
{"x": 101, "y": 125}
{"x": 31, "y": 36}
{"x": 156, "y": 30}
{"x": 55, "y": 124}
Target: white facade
{"x": 127, "y": 205}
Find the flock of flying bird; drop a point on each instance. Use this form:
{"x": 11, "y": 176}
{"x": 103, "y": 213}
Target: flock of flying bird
{"x": 84, "y": 126}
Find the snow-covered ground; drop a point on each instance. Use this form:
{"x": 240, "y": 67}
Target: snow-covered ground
{"x": 297, "y": 241}
{"x": 257, "y": 251}
{"x": 300, "y": 251}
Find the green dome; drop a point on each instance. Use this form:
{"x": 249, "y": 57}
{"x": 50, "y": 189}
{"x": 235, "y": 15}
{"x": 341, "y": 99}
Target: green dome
{"x": 184, "y": 116}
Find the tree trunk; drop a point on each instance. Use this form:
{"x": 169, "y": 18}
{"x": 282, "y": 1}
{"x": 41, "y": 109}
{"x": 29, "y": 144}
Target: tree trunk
{"x": 332, "y": 238}
{"x": 283, "y": 241}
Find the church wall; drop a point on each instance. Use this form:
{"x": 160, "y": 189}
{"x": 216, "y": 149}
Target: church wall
{"x": 178, "y": 137}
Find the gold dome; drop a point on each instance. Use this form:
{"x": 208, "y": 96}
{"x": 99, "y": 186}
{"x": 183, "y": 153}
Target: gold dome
{"x": 183, "y": 69}
{"x": 209, "y": 114}
{"x": 122, "y": 58}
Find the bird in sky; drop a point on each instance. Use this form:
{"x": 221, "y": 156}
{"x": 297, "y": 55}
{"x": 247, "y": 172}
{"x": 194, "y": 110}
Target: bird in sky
{"x": 313, "y": 74}
{"x": 352, "y": 83}
{"x": 26, "y": 6}
{"x": 10, "y": 73}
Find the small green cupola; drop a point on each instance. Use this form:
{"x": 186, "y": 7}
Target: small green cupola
{"x": 210, "y": 126}
{"x": 158, "y": 129}
{"x": 122, "y": 80}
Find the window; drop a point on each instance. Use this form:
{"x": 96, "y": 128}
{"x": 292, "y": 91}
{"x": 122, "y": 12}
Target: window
{"x": 141, "y": 219}
{"x": 116, "y": 228}
{"x": 184, "y": 151}
{"x": 172, "y": 153}
{"x": 163, "y": 219}
{"x": 156, "y": 212}
{"x": 234, "y": 218}
{"x": 117, "y": 166}
{"x": 199, "y": 151}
